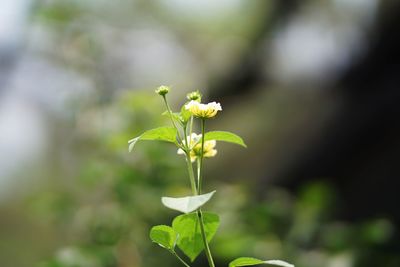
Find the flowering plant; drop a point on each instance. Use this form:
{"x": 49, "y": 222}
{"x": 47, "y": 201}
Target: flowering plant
{"x": 192, "y": 231}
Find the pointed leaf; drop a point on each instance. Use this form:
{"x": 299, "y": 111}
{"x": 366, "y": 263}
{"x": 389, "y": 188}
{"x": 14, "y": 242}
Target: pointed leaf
{"x": 247, "y": 261}
{"x": 164, "y": 236}
{"x": 187, "y": 204}
{"x": 188, "y": 228}
{"x": 225, "y": 136}
{"x": 167, "y": 134}
{"x": 279, "y": 263}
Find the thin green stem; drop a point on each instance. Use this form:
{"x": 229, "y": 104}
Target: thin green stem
{"x": 199, "y": 213}
{"x": 189, "y": 163}
{"x": 179, "y": 258}
{"x": 191, "y": 174}
{"x": 197, "y": 191}
{"x": 200, "y": 172}
{"x": 204, "y": 237}
{"x": 172, "y": 120}
{"x": 190, "y": 129}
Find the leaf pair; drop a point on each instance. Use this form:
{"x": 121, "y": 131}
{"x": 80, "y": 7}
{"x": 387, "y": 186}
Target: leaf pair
{"x": 185, "y": 232}
{"x": 190, "y": 241}
{"x": 168, "y": 134}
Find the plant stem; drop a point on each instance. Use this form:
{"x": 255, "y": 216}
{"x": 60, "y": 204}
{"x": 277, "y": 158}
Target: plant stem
{"x": 197, "y": 191}
{"x": 200, "y": 172}
{"x": 189, "y": 162}
{"x": 191, "y": 174}
{"x": 204, "y": 237}
{"x": 179, "y": 258}
{"x": 190, "y": 129}
{"x": 172, "y": 120}
{"x": 199, "y": 213}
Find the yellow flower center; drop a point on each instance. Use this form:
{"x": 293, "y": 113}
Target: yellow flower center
{"x": 195, "y": 147}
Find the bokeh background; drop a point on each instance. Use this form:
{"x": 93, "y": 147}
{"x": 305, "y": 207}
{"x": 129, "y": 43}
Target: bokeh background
{"x": 312, "y": 86}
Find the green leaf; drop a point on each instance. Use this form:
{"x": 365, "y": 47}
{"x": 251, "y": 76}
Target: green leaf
{"x": 247, "y": 261}
{"x": 279, "y": 263}
{"x": 167, "y": 134}
{"x": 224, "y": 136}
{"x": 188, "y": 228}
{"x": 186, "y": 204}
{"x": 163, "y": 235}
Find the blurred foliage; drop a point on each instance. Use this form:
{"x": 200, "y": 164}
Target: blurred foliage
{"x": 112, "y": 200}
{"x": 97, "y": 202}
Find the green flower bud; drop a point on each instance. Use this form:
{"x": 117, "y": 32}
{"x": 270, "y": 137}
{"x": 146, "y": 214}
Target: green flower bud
{"x": 162, "y": 90}
{"x": 196, "y": 96}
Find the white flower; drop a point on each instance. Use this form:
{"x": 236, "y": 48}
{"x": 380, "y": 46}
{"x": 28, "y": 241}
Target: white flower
{"x": 195, "y": 147}
{"x": 204, "y": 111}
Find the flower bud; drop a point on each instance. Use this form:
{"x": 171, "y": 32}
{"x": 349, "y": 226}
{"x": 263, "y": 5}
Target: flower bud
{"x": 196, "y": 96}
{"x": 162, "y": 90}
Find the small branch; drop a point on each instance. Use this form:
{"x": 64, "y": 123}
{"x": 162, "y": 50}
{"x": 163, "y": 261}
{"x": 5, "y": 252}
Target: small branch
{"x": 172, "y": 120}
{"x": 179, "y": 258}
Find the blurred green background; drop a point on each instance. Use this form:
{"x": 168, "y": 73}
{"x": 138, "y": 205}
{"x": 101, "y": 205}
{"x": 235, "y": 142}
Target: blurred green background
{"x": 312, "y": 86}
